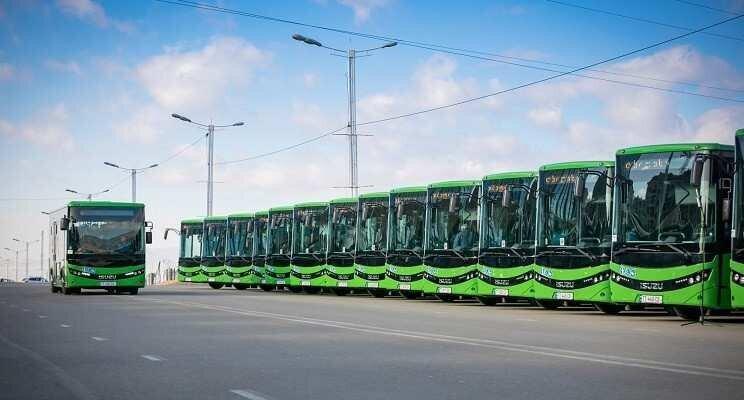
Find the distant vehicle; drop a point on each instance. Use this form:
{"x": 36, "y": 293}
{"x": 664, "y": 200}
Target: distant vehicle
{"x": 6, "y": 280}
{"x": 35, "y": 280}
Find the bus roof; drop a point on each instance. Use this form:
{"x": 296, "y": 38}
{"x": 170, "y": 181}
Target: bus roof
{"x": 451, "y": 184}
{"x": 213, "y": 218}
{"x": 244, "y": 215}
{"x": 577, "y": 165}
{"x": 409, "y": 189}
{"x": 740, "y": 132}
{"x": 510, "y": 175}
{"x": 375, "y": 195}
{"x": 262, "y": 213}
{"x": 344, "y": 200}
{"x": 280, "y": 209}
{"x": 191, "y": 221}
{"x": 96, "y": 203}
{"x": 312, "y": 204}
{"x": 664, "y": 148}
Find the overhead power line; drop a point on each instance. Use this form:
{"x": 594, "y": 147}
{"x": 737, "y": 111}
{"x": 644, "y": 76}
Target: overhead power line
{"x": 692, "y": 3}
{"x": 430, "y": 46}
{"x": 648, "y": 21}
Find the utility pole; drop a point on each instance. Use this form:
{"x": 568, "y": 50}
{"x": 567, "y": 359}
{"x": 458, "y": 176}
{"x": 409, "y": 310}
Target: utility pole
{"x": 210, "y": 154}
{"x": 28, "y": 243}
{"x": 16, "y": 262}
{"x": 351, "y": 55}
{"x": 41, "y": 255}
{"x": 133, "y": 173}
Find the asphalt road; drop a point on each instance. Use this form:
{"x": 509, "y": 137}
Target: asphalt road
{"x": 192, "y": 342}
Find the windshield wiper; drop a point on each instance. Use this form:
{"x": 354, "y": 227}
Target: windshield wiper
{"x": 675, "y": 248}
{"x": 634, "y": 248}
{"x": 582, "y": 252}
{"x": 509, "y": 249}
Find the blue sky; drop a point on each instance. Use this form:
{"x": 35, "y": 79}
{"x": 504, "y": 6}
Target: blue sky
{"x": 85, "y": 81}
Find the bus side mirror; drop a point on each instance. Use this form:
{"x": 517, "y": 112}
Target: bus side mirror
{"x": 335, "y": 215}
{"x": 165, "y": 235}
{"x": 505, "y": 197}
{"x": 148, "y": 232}
{"x": 399, "y": 210}
{"x": 64, "y": 223}
{"x": 453, "y": 202}
{"x": 365, "y": 211}
{"x": 624, "y": 189}
{"x": 579, "y": 187}
{"x": 726, "y": 212}
{"x": 697, "y": 171}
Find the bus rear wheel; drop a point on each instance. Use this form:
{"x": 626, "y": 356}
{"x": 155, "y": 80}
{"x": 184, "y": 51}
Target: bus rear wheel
{"x": 608, "y": 308}
{"x": 409, "y": 294}
{"x": 690, "y": 313}
{"x": 488, "y": 300}
{"x": 215, "y": 285}
{"x": 548, "y": 304}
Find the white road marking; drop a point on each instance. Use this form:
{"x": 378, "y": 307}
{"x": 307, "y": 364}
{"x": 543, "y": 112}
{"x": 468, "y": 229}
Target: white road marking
{"x": 42, "y": 316}
{"x": 248, "y": 394}
{"x": 64, "y": 326}
{"x": 152, "y": 357}
{"x": 98, "y": 339}
{"x": 26, "y": 310}
{"x": 526, "y": 319}
{"x": 606, "y": 359}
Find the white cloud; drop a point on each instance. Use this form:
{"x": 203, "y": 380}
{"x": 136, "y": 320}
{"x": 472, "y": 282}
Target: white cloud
{"x": 546, "y": 117}
{"x": 142, "y": 125}
{"x": 185, "y": 80}
{"x": 63, "y": 66}
{"x": 309, "y": 79}
{"x": 363, "y": 8}
{"x": 47, "y": 129}
{"x": 88, "y": 10}
{"x": 6, "y": 72}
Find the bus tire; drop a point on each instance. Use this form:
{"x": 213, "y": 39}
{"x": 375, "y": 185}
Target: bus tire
{"x": 378, "y": 293}
{"x": 295, "y": 289}
{"x": 488, "y": 300}
{"x": 215, "y": 285}
{"x": 690, "y": 313}
{"x": 410, "y": 295}
{"x": 447, "y": 298}
{"x": 133, "y": 291}
{"x": 609, "y": 308}
{"x": 54, "y": 289}
{"x": 240, "y": 286}
{"x": 266, "y": 288}
{"x": 548, "y": 304}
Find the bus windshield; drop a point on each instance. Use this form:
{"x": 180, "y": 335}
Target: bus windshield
{"x": 280, "y": 232}
{"x": 658, "y": 202}
{"x": 241, "y": 238}
{"x": 261, "y": 229}
{"x": 407, "y": 231}
{"x": 567, "y": 220}
{"x": 311, "y": 231}
{"x": 343, "y": 231}
{"x": 512, "y": 224}
{"x": 372, "y": 228}
{"x": 453, "y": 219}
{"x": 214, "y": 239}
{"x": 191, "y": 241}
{"x": 100, "y": 230}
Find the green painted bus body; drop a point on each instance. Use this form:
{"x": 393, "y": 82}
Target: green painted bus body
{"x": 260, "y": 239}
{"x": 310, "y": 242}
{"x": 404, "y": 265}
{"x": 213, "y": 250}
{"x": 371, "y": 250}
{"x": 572, "y": 259}
{"x": 657, "y": 259}
{"x": 507, "y": 244}
{"x": 736, "y": 276}
{"x": 340, "y": 276}
{"x": 189, "y": 259}
{"x": 277, "y": 270}
{"x": 451, "y": 242}
{"x": 239, "y": 259}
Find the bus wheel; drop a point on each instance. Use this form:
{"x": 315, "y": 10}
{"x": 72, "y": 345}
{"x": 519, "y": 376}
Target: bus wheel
{"x": 548, "y": 304}
{"x": 311, "y": 290}
{"x": 447, "y": 298}
{"x": 609, "y": 308}
{"x": 54, "y": 289}
{"x": 487, "y": 300}
{"x": 215, "y": 285}
{"x": 295, "y": 289}
{"x": 266, "y": 288}
{"x": 239, "y": 286}
{"x": 134, "y": 291}
{"x": 67, "y": 291}
{"x": 690, "y": 313}
{"x": 379, "y": 293}
{"x": 340, "y": 292}
{"x": 409, "y": 294}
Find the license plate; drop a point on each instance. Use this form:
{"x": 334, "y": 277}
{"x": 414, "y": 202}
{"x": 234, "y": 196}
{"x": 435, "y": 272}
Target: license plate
{"x": 107, "y": 283}
{"x": 210, "y": 279}
{"x": 404, "y": 286}
{"x": 444, "y": 290}
{"x": 305, "y": 283}
{"x": 343, "y": 284}
{"x": 500, "y": 292}
{"x": 236, "y": 280}
{"x": 280, "y": 282}
{"x": 564, "y": 296}
{"x": 187, "y": 279}
{"x": 373, "y": 284}
{"x": 650, "y": 299}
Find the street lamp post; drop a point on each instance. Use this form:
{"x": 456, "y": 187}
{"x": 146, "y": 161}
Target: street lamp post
{"x": 88, "y": 196}
{"x": 351, "y": 55}
{"x": 16, "y": 261}
{"x": 210, "y": 154}
{"x": 133, "y": 172}
{"x": 28, "y": 243}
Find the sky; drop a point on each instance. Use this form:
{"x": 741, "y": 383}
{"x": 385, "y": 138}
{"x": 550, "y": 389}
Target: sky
{"x": 88, "y": 81}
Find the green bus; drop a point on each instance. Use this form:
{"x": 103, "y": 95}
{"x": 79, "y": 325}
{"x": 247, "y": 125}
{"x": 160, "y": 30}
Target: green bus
{"x": 404, "y": 268}
{"x": 239, "y": 259}
{"x": 98, "y": 245}
{"x": 451, "y": 242}
{"x": 672, "y": 231}
{"x": 574, "y": 234}
{"x": 276, "y": 271}
{"x": 310, "y": 241}
{"x": 507, "y": 244}
{"x": 189, "y": 259}
{"x": 261, "y": 240}
{"x": 340, "y": 277}
{"x": 737, "y": 231}
{"x": 213, "y": 251}
{"x": 372, "y": 227}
